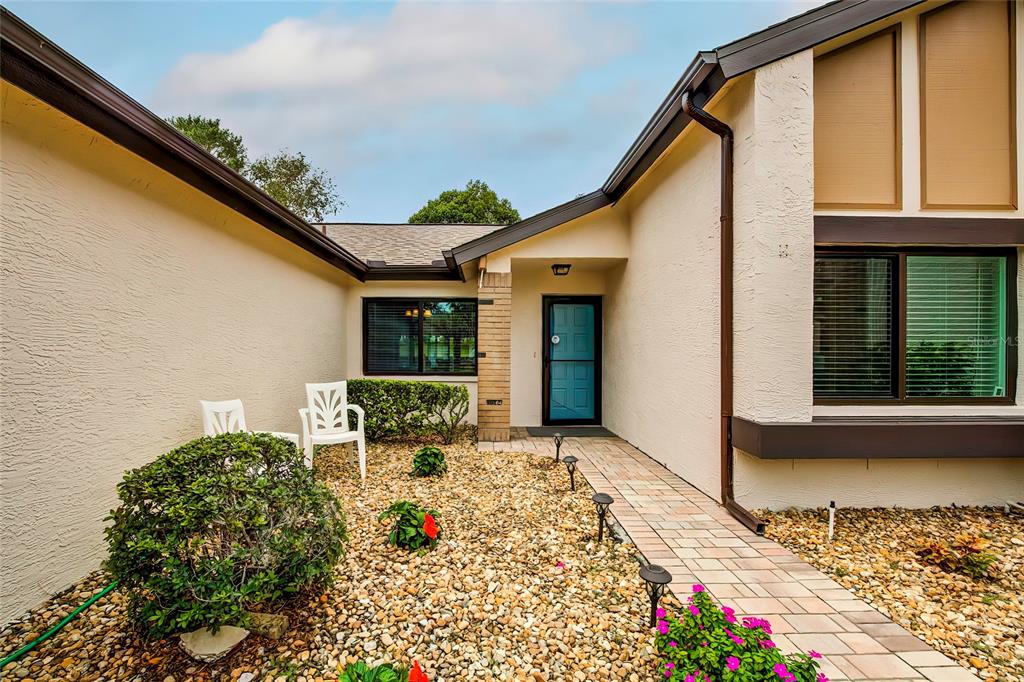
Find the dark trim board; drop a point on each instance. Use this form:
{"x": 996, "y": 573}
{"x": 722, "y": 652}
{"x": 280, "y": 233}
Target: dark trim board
{"x": 848, "y": 230}
{"x": 882, "y": 438}
{"x": 545, "y": 334}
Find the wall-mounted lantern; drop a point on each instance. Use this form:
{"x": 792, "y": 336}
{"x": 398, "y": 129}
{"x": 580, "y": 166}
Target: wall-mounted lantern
{"x": 561, "y": 269}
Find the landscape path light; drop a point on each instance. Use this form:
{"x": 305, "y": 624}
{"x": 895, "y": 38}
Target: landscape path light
{"x": 570, "y": 464}
{"x": 602, "y": 502}
{"x": 656, "y": 580}
{"x": 558, "y": 445}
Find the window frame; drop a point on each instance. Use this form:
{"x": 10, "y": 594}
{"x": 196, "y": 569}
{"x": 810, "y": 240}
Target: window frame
{"x": 899, "y": 317}
{"x": 419, "y": 301}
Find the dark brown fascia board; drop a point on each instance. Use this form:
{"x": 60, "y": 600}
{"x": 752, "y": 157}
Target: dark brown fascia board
{"x": 35, "y": 64}
{"x": 804, "y": 31}
{"x": 912, "y": 231}
{"x": 517, "y": 232}
{"x": 882, "y": 438}
{"x": 663, "y": 127}
{"x": 376, "y": 272}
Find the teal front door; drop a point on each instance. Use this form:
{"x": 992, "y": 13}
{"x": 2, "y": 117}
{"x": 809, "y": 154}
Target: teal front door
{"x": 572, "y": 360}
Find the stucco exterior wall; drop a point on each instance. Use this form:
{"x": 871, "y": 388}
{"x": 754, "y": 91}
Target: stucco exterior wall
{"x": 127, "y": 296}
{"x": 662, "y": 384}
{"x": 357, "y": 291}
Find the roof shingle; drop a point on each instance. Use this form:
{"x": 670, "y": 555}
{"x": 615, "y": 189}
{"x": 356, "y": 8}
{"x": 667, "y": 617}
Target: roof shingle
{"x": 403, "y": 244}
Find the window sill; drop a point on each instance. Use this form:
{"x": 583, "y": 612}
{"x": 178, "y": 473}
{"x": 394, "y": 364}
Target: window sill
{"x": 890, "y": 436}
{"x": 443, "y": 378}
{"x": 905, "y": 410}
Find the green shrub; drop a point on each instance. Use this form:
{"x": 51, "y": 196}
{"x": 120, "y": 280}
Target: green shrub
{"x": 396, "y": 408}
{"x": 429, "y": 461}
{"x": 710, "y": 644}
{"x": 966, "y": 554}
{"x": 415, "y": 527}
{"x": 218, "y": 527}
{"x": 361, "y": 672}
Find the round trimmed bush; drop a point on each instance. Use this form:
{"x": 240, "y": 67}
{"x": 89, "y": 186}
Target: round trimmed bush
{"x": 218, "y": 527}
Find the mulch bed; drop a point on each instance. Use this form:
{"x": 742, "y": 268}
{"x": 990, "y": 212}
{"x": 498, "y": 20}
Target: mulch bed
{"x": 979, "y": 622}
{"x": 516, "y": 590}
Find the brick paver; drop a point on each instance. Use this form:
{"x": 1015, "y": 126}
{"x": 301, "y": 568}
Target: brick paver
{"x": 675, "y": 525}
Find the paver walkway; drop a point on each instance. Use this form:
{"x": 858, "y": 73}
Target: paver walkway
{"x": 675, "y": 525}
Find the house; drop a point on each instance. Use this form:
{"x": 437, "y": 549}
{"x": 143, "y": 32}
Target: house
{"x": 801, "y": 283}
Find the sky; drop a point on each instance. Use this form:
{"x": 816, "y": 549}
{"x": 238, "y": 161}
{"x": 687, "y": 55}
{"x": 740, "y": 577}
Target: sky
{"x": 399, "y": 101}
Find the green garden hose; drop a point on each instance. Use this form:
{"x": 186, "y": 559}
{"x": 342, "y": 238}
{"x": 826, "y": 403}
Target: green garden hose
{"x": 56, "y": 628}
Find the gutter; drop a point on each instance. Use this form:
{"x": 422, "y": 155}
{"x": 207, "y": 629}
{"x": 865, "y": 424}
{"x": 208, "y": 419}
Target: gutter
{"x": 723, "y": 131}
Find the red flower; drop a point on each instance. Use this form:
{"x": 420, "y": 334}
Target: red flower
{"x": 417, "y": 675}
{"x": 430, "y": 528}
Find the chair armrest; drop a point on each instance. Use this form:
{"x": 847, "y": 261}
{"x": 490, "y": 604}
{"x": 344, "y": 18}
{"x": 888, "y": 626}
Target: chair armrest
{"x": 360, "y": 416}
{"x": 304, "y": 418}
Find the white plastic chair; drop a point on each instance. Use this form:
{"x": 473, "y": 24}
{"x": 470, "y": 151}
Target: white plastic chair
{"x": 228, "y": 416}
{"x": 325, "y": 420}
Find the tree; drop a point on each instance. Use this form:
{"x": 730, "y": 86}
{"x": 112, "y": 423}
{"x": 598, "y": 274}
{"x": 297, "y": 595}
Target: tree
{"x": 293, "y": 182}
{"x": 288, "y": 178}
{"x": 478, "y": 203}
{"x": 209, "y": 134}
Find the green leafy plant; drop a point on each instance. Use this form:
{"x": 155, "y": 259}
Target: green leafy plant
{"x": 708, "y": 643}
{"x": 361, "y": 672}
{"x": 415, "y": 527}
{"x": 429, "y": 461}
{"x": 218, "y": 527}
{"x": 396, "y": 408}
{"x": 966, "y": 554}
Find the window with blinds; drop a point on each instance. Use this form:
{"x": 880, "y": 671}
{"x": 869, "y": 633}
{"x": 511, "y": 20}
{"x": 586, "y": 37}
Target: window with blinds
{"x": 956, "y": 323}
{"x": 417, "y": 336}
{"x": 853, "y": 325}
{"x": 953, "y": 313}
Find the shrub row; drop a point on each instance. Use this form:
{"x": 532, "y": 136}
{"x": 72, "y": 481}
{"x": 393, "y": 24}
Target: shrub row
{"x": 396, "y": 408}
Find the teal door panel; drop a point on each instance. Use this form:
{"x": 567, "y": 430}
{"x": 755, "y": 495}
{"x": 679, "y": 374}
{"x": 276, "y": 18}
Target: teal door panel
{"x": 572, "y": 342}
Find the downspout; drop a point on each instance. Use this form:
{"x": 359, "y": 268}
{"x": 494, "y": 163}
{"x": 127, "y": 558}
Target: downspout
{"x": 723, "y": 131}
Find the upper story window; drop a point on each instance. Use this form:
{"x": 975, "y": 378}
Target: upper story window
{"x": 914, "y": 327}
{"x": 419, "y": 336}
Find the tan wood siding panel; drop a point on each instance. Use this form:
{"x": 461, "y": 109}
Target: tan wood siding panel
{"x": 856, "y": 116}
{"x": 967, "y": 153}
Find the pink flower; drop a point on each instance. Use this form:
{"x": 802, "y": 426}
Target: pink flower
{"x": 732, "y": 663}
{"x": 783, "y": 672}
{"x": 821, "y": 678}
{"x": 730, "y": 615}
{"x": 673, "y": 644}
{"x": 694, "y": 610}
{"x": 661, "y": 613}
{"x": 662, "y": 627}
{"x": 689, "y": 678}
{"x": 813, "y": 654}
{"x": 668, "y": 669}
{"x": 767, "y": 644}
{"x": 698, "y": 588}
{"x": 560, "y": 565}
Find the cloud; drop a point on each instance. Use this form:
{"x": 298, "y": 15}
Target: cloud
{"x": 324, "y": 75}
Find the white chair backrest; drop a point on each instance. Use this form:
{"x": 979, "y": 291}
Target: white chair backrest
{"x": 328, "y": 407}
{"x": 222, "y": 416}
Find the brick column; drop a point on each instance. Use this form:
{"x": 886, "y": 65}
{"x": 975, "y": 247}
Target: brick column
{"x": 494, "y": 346}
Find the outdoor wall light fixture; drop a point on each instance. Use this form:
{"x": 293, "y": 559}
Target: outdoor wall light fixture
{"x": 561, "y": 269}
{"x": 570, "y": 464}
{"x": 602, "y": 501}
{"x": 558, "y": 446}
{"x": 656, "y": 580}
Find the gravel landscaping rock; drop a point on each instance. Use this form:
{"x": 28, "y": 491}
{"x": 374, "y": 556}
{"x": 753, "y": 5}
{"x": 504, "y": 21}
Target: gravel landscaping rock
{"x": 979, "y": 622}
{"x": 516, "y": 589}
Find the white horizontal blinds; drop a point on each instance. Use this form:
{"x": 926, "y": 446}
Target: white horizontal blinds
{"x": 392, "y": 336}
{"x": 956, "y": 326}
{"x": 853, "y": 313}
{"x": 449, "y": 337}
